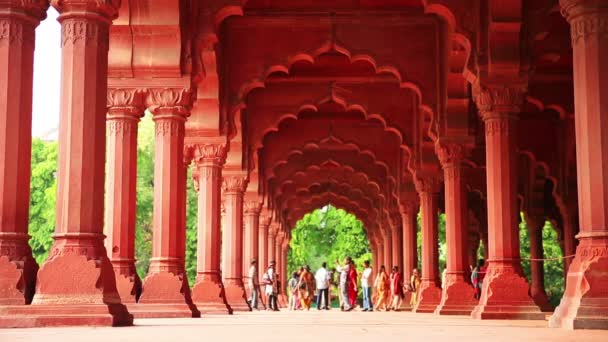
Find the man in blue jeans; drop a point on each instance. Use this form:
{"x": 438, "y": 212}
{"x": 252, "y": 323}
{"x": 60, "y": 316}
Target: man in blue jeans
{"x": 365, "y": 285}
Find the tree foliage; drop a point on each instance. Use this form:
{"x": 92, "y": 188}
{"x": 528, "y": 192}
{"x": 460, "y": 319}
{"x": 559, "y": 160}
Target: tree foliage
{"x": 327, "y": 234}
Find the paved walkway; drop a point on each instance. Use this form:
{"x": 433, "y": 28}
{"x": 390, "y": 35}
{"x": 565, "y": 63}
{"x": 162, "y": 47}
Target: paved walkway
{"x": 313, "y": 326}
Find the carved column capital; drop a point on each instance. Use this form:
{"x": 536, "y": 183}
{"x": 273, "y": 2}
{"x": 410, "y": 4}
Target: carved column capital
{"x": 252, "y": 207}
{"x": 586, "y": 17}
{"x": 209, "y": 154}
{"x": 107, "y": 9}
{"x": 32, "y": 9}
{"x": 264, "y": 221}
{"x": 125, "y": 103}
{"x": 498, "y": 100}
{"x": 234, "y": 184}
{"x": 450, "y": 154}
{"x": 428, "y": 184}
{"x": 409, "y": 207}
{"x": 170, "y": 101}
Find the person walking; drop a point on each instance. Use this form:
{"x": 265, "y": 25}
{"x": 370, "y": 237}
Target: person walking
{"x": 269, "y": 280}
{"x": 396, "y": 288}
{"x": 382, "y": 287}
{"x": 254, "y": 284}
{"x": 344, "y": 283}
{"x": 322, "y": 279}
{"x": 477, "y": 277}
{"x": 306, "y": 287}
{"x": 365, "y": 285}
{"x": 352, "y": 289}
{"x": 292, "y": 287}
{"x": 415, "y": 287}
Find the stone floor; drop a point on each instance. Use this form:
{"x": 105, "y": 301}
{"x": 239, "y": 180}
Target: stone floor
{"x": 313, "y": 326}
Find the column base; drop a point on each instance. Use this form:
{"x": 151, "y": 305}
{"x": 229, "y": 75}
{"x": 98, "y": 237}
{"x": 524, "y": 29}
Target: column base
{"x": 505, "y": 295}
{"x": 17, "y": 280}
{"x": 430, "y": 297}
{"x": 405, "y": 303}
{"x": 163, "y": 310}
{"x": 128, "y": 287}
{"x": 282, "y": 301}
{"x": 585, "y": 301}
{"x": 458, "y": 298}
{"x": 236, "y": 296}
{"x": 57, "y": 315}
{"x": 210, "y": 298}
{"x": 169, "y": 293}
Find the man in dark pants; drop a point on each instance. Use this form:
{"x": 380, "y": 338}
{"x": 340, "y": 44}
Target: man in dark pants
{"x": 322, "y": 280}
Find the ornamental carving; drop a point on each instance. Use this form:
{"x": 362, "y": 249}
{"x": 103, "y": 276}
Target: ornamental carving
{"x": 169, "y": 128}
{"x": 450, "y": 154}
{"x": 428, "y": 184}
{"x": 234, "y": 184}
{"x": 492, "y": 101}
{"x": 13, "y": 31}
{"x": 123, "y": 101}
{"x": 585, "y": 26}
{"x": 83, "y": 32}
{"x": 252, "y": 207}
{"x": 409, "y": 208}
{"x": 210, "y": 153}
{"x": 176, "y": 100}
{"x": 107, "y": 8}
{"x": 119, "y": 127}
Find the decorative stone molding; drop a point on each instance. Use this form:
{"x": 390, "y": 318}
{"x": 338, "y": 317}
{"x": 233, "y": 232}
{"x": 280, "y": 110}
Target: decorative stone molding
{"x": 177, "y": 101}
{"x": 498, "y": 100}
{"x": 120, "y": 127}
{"x": 450, "y": 154}
{"x": 15, "y": 32}
{"x": 33, "y": 8}
{"x": 409, "y": 207}
{"x": 106, "y": 8}
{"x": 169, "y": 128}
{"x": 234, "y": 184}
{"x": 81, "y": 32}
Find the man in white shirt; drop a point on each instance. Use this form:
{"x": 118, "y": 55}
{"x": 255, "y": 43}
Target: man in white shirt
{"x": 270, "y": 282}
{"x": 322, "y": 280}
{"x": 365, "y": 284}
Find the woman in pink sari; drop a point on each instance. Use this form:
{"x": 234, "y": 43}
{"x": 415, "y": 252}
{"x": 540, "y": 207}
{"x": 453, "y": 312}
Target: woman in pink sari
{"x": 352, "y": 289}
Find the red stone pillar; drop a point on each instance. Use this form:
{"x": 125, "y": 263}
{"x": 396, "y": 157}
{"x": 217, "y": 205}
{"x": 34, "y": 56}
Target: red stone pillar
{"x": 251, "y": 211}
{"x": 397, "y": 247}
{"x": 270, "y": 246}
{"x": 458, "y": 296}
{"x": 409, "y": 212}
{"x": 505, "y": 289}
{"x": 430, "y": 292}
{"x": 388, "y": 249}
{"x": 380, "y": 253}
{"x": 18, "y": 21}
{"x": 85, "y": 293}
{"x": 537, "y": 287}
{"x": 278, "y": 252}
{"x": 570, "y": 228}
{"x": 232, "y": 248}
{"x": 585, "y": 301}
{"x": 125, "y": 108}
{"x": 166, "y": 292}
{"x": 263, "y": 244}
{"x": 208, "y": 291}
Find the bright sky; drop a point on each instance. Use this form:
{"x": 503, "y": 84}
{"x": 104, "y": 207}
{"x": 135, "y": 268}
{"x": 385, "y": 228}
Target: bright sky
{"x": 47, "y": 75}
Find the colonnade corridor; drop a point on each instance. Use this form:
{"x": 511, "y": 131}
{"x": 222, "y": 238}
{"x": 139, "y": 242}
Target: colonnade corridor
{"x": 312, "y": 326}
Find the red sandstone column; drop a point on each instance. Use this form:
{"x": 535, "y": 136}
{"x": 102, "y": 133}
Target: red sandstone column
{"x": 505, "y": 289}
{"x": 585, "y": 301}
{"x": 251, "y": 212}
{"x": 272, "y": 237}
{"x": 263, "y": 244}
{"x": 388, "y": 250}
{"x": 126, "y": 107}
{"x": 278, "y": 252}
{"x": 537, "y": 287}
{"x": 85, "y": 293}
{"x": 430, "y": 291}
{"x": 570, "y": 228}
{"x": 457, "y": 294}
{"x": 397, "y": 247}
{"x": 165, "y": 288}
{"x": 234, "y": 187}
{"x": 380, "y": 253}
{"x": 409, "y": 212}
{"x": 208, "y": 292}
{"x": 18, "y": 21}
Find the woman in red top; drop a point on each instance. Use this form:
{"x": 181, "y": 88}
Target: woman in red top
{"x": 352, "y": 289}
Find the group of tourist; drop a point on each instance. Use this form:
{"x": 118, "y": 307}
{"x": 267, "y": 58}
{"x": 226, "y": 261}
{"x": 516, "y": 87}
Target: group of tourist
{"x": 390, "y": 289}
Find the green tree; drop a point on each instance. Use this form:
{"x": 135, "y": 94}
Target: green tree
{"x": 43, "y": 193}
